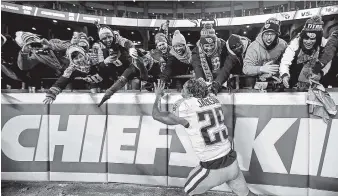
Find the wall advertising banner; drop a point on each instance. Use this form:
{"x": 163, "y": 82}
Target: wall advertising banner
{"x": 308, "y": 13}
{"x": 281, "y": 150}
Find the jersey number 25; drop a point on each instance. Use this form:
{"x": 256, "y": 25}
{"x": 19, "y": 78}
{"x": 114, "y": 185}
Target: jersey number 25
{"x": 212, "y": 124}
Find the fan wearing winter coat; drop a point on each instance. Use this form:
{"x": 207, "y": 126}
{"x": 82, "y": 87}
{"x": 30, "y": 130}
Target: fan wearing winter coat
{"x": 301, "y": 56}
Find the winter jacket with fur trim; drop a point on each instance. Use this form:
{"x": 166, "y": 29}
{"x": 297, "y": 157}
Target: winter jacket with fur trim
{"x": 257, "y": 55}
{"x": 288, "y": 63}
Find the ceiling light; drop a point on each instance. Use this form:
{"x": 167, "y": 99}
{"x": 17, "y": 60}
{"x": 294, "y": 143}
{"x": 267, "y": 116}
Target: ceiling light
{"x": 248, "y": 26}
{"x": 55, "y": 21}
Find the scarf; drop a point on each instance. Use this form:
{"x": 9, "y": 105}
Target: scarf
{"x": 308, "y": 61}
{"x": 185, "y": 58}
{"x": 215, "y": 59}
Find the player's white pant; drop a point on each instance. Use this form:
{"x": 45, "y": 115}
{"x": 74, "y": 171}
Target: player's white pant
{"x": 201, "y": 180}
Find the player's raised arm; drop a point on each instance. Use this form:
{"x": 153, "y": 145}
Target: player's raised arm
{"x": 164, "y": 116}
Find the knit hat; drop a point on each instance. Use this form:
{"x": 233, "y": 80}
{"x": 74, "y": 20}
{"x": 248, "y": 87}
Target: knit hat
{"x": 80, "y": 39}
{"x": 81, "y": 67}
{"x": 74, "y": 48}
{"x": 23, "y": 38}
{"x": 208, "y": 34}
{"x": 234, "y": 42}
{"x": 103, "y": 29}
{"x": 178, "y": 38}
{"x": 313, "y": 27}
{"x": 160, "y": 37}
{"x": 272, "y": 24}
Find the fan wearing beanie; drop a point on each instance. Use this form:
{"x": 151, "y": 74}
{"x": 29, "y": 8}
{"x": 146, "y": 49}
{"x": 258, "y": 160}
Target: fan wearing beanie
{"x": 117, "y": 55}
{"x": 179, "y": 58}
{"x": 41, "y": 57}
{"x": 35, "y": 50}
{"x": 160, "y": 54}
{"x": 234, "y": 52}
{"x": 298, "y": 64}
{"x": 114, "y": 50}
{"x": 263, "y": 55}
{"x": 207, "y": 55}
{"x": 80, "y": 66}
{"x": 210, "y": 54}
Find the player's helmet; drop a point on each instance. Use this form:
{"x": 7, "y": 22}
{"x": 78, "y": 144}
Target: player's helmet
{"x": 196, "y": 87}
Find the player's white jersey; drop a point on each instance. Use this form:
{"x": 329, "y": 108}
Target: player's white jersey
{"x": 207, "y": 131}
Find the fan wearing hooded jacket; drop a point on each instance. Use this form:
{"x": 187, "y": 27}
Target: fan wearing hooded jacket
{"x": 235, "y": 50}
{"x": 263, "y": 55}
{"x": 179, "y": 58}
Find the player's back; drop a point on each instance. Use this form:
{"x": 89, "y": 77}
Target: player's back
{"x": 207, "y": 131}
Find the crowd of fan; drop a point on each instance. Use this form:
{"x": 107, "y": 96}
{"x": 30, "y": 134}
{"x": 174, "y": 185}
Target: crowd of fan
{"x": 111, "y": 62}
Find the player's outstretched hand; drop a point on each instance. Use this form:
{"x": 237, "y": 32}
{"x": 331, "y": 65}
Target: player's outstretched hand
{"x": 159, "y": 87}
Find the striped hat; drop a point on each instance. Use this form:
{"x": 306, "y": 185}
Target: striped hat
{"x": 208, "y": 34}
{"x": 23, "y": 38}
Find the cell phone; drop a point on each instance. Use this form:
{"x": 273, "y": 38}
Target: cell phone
{"x": 36, "y": 45}
{"x": 111, "y": 52}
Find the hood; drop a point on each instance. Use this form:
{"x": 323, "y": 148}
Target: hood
{"x": 259, "y": 39}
